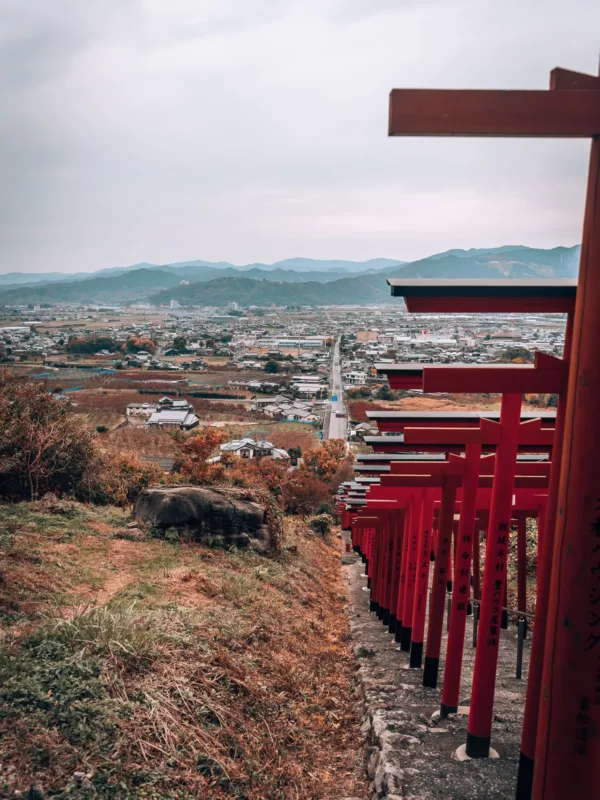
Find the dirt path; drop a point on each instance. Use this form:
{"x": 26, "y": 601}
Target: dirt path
{"x": 411, "y": 755}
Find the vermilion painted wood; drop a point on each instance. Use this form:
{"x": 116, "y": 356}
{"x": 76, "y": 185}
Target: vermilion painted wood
{"x": 403, "y": 571}
{"x": 398, "y": 533}
{"x": 461, "y": 582}
{"x": 568, "y": 79}
{"x": 411, "y": 569}
{"x": 395, "y": 446}
{"x": 494, "y": 379}
{"x": 400, "y": 447}
{"x": 389, "y": 573}
{"x": 397, "y": 422}
{"x": 568, "y": 734}
{"x": 546, "y": 526}
{"x": 530, "y": 433}
{"x": 525, "y": 500}
{"x": 486, "y": 656}
{"x": 531, "y": 482}
{"x": 441, "y": 572}
{"x": 522, "y": 563}
{"x": 489, "y": 305}
{"x": 476, "y": 563}
{"x": 482, "y": 112}
{"x": 422, "y": 580}
{"x": 378, "y": 561}
{"x": 457, "y": 467}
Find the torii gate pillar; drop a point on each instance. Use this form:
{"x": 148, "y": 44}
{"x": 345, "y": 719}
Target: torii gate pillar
{"x": 568, "y": 734}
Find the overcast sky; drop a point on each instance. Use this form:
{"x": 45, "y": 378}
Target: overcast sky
{"x": 256, "y": 130}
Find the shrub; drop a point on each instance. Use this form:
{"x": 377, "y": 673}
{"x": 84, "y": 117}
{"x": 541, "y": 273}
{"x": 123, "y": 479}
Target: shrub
{"x": 41, "y": 448}
{"x": 326, "y": 508}
{"x": 326, "y": 461}
{"x": 134, "y": 344}
{"x": 117, "y": 479}
{"x": 90, "y": 344}
{"x": 321, "y": 524}
{"x": 196, "y": 452}
{"x": 303, "y": 493}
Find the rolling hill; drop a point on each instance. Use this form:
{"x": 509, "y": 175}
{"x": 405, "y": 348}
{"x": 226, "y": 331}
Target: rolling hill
{"x": 286, "y": 285}
{"x": 500, "y": 262}
{"x": 303, "y": 268}
{"x": 250, "y": 292}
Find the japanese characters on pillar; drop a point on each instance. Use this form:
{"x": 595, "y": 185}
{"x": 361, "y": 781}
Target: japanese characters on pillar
{"x": 438, "y": 589}
{"x": 411, "y": 574}
{"x": 422, "y": 580}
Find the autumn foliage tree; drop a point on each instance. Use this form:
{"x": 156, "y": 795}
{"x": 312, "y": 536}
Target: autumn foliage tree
{"x": 314, "y": 483}
{"x": 134, "y": 344}
{"x": 44, "y": 449}
{"x": 196, "y": 451}
{"x": 90, "y": 344}
{"x": 117, "y": 479}
{"x": 41, "y": 449}
{"x": 326, "y": 460}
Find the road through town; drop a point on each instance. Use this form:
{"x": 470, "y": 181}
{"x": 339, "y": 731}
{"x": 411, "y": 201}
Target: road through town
{"x": 337, "y": 424}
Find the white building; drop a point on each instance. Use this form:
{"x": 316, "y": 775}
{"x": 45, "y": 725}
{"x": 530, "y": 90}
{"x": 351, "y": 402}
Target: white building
{"x": 354, "y": 378}
{"x": 252, "y": 448}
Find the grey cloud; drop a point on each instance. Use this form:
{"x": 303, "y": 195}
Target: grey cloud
{"x": 256, "y": 129}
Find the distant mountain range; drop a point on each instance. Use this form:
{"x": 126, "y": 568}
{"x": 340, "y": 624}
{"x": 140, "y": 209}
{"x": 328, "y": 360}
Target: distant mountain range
{"x": 295, "y": 281}
{"x": 207, "y": 270}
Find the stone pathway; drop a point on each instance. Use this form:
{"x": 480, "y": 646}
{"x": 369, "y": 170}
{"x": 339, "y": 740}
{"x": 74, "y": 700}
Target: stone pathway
{"x": 409, "y": 756}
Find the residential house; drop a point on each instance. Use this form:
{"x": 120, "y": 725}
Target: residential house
{"x": 252, "y": 448}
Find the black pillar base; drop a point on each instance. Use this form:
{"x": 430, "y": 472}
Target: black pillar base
{"x": 379, "y": 612}
{"x": 392, "y": 623}
{"x": 363, "y": 558}
{"x": 504, "y": 621}
{"x": 446, "y": 710}
{"x": 373, "y": 605}
{"x": 405, "y": 640}
{"x": 368, "y": 583}
{"x": 398, "y": 633}
{"x": 385, "y": 617}
{"x": 430, "y": 673}
{"x": 478, "y": 746}
{"x": 469, "y": 609}
{"x": 524, "y": 778}
{"x": 416, "y": 655}
{"x": 432, "y": 556}
{"x": 448, "y": 586}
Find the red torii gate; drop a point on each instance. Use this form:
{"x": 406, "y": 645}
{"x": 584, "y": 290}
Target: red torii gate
{"x": 568, "y": 738}
{"x": 397, "y": 421}
{"x": 548, "y": 374}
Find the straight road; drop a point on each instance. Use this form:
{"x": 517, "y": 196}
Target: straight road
{"x": 337, "y": 424}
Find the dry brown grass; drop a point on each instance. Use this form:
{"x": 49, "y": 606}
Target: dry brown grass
{"x": 141, "y": 441}
{"x": 243, "y": 686}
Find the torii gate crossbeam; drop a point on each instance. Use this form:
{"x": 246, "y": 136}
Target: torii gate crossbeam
{"x": 568, "y": 731}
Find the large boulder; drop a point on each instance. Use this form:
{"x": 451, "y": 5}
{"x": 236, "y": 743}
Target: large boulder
{"x": 222, "y": 516}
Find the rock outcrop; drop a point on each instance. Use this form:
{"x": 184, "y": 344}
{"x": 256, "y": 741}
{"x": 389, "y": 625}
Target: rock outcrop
{"x": 223, "y": 516}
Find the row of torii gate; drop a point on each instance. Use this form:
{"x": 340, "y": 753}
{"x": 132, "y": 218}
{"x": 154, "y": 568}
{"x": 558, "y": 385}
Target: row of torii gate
{"x": 432, "y": 473}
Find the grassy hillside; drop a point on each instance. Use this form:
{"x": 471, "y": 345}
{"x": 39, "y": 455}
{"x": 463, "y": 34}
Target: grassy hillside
{"x": 134, "y": 667}
{"x": 248, "y": 292}
{"x": 501, "y": 262}
{"x": 109, "y": 289}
